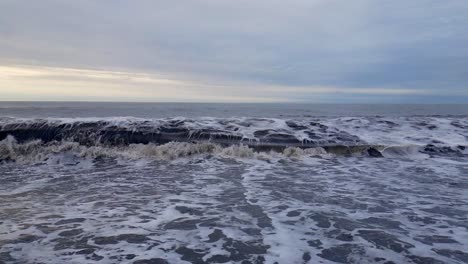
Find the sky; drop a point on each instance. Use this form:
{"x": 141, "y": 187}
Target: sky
{"x": 318, "y": 51}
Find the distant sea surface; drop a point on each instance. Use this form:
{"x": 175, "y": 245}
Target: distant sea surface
{"x": 233, "y": 183}
{"x": 163, "y": 110}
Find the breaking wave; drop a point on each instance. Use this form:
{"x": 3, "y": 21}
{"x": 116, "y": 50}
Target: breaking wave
{"x": 38, "y": 151}
{"x": 37, "y": 140}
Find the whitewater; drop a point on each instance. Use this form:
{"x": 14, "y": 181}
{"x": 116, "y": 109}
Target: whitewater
{"x": 210, "y": 183}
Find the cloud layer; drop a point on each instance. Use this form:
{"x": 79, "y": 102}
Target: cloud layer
{"x": 216, "y": 50}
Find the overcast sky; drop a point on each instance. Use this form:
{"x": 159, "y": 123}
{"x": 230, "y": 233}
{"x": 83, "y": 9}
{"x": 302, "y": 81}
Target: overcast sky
{"x": 358, "y": 51}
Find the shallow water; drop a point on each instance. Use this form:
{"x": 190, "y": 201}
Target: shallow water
{"x": 218, "y": 210}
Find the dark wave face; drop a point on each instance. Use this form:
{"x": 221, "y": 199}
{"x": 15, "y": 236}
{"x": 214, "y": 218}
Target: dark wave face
{"x": 372, "y": 136}
{"x": 252, "y": 132}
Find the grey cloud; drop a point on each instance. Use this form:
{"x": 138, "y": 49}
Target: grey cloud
{"x": 363, "y": 43}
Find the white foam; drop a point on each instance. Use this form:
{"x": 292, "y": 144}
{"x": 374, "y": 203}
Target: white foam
{"x": 412, "y": 152}
{"x": 66, "y": 152}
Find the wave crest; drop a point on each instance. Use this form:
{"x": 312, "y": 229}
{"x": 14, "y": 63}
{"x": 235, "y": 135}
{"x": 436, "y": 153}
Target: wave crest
{"x": 38, "y": 151}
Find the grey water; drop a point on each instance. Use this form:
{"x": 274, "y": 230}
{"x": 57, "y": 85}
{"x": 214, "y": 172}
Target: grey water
{"x": 94, "y": 183}
{"x": 272, "y": 110}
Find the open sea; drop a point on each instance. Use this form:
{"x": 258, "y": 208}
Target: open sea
{"x": 233, "y": 183}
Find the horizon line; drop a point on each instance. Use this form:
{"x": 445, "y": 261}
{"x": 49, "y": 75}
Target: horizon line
{"x": 231, "y": 102}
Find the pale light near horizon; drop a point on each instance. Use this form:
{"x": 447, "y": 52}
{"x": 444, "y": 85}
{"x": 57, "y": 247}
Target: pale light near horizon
{"x": 52, "y": 83}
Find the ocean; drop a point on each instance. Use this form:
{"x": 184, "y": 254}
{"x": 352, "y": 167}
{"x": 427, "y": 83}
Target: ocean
{"x": 233, "y": 183}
